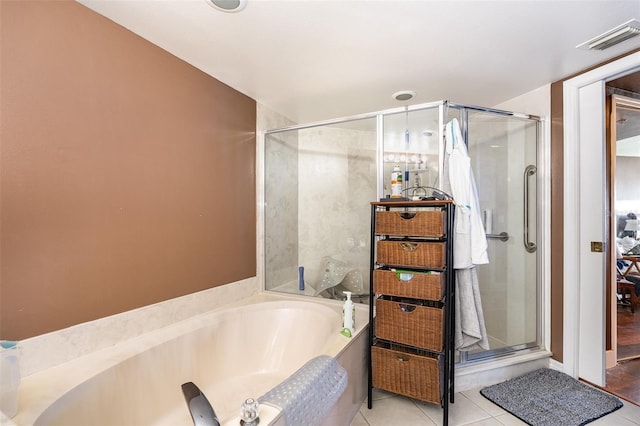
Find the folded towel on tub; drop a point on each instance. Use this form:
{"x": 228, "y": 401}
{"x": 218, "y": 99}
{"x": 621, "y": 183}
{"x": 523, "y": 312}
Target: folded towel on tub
{"x": 308, "y": 395}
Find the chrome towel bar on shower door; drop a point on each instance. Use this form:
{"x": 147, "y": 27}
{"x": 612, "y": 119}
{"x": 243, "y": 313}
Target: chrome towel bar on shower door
{"x": 529, "y": 246}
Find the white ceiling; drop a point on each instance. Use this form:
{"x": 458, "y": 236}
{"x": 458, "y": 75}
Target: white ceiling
{"x": 313, "y": 60}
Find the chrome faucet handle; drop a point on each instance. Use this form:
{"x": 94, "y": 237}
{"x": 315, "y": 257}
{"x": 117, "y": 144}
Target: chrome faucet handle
{"x": 249, "y": 412}
{"x": 201, "y": 411}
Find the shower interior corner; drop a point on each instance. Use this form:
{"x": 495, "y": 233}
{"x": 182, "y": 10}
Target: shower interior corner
{"x": 320, "y": 178}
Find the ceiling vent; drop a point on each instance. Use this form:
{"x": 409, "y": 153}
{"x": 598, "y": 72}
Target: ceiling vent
{"x": 228, "y": 5}
{"x": 403, "y": 95}
{"x": 614, "y": 36}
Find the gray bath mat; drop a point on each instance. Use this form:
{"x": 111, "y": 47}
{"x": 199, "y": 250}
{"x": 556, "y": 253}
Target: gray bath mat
{"x": 549, "y": 397}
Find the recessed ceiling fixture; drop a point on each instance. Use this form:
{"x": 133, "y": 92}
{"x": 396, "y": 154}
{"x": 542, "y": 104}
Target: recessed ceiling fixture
{"x": 403, "y": 95}
{"x": 614, "y": 36}
{"x": 228, "y": 5}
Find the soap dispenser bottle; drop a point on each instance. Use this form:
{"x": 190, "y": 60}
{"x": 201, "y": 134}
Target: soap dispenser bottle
{"x": 349, "y": 313}
{"x": 396, "y": 182}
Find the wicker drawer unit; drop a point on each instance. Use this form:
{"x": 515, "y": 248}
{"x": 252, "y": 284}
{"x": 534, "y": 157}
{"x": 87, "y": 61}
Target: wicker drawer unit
{"x": 406, "y": 373}
{"x": 416, "y": 285}
{"x": 411, "y": 313}
{"x": 414, "y": 224}
{"x": 417, "y": 254}
{"x": 409, "y": 324}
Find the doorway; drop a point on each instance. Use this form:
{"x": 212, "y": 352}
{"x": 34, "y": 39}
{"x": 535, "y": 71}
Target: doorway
{"x": 584, "y": 266}
{"x": 623, "y": 355}
{"x": 624, "y": 127}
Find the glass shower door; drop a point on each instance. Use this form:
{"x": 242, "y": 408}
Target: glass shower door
{"x": 319, "y": 181}
{"x": 503, "y": 151}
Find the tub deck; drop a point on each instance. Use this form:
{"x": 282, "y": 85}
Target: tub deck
{"x": 96, "y": 385}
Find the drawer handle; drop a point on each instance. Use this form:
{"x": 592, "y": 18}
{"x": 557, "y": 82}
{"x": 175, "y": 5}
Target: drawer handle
{"x": 409, "y": 246}
{"x": 407, "y": 215}
{"x": 406, "y": 308}
{"x": 402, "y": 359}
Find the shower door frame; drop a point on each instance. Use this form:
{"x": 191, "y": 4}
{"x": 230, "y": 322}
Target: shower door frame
{"x": 465, "y": 357}
{"x": 542, "y": 317}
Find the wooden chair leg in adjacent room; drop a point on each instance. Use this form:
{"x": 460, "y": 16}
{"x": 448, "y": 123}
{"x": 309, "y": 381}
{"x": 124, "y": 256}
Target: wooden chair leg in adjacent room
{"x": 627, "y": 288}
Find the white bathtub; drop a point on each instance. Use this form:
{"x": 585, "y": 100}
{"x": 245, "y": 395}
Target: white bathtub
{"x": 231, "y": 354}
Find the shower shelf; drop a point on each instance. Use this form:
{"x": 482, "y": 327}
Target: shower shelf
{"x": 410, "y": 337}
{"x": 409, "y": 157}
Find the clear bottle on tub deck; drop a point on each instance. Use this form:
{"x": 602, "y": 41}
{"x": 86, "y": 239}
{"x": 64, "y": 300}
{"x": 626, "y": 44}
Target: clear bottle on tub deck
{"x": 396, "y": 182}
{"x": 349, "y": 313}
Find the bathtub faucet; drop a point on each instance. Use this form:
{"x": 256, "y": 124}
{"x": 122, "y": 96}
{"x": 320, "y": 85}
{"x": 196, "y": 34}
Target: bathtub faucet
{"x": 201, "y": 411}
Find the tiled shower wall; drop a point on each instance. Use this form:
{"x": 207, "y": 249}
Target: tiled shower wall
{"x": 318, "y": 185}
{"x": 281, "y": 207}
{"x": 337, "y": 183}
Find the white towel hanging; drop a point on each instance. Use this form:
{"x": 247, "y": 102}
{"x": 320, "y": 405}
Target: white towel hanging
{"x": 469, "y": 242}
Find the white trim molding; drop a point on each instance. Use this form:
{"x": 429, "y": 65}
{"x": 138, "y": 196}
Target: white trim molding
{"x": 574, "y": 217}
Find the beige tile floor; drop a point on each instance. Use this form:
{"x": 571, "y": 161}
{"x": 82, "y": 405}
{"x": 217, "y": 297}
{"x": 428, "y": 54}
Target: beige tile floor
{"x": 470, "y": 408}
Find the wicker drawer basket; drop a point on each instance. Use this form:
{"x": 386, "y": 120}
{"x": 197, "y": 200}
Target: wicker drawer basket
{"x": 419, "y": 254}
{"x": 408, "y": 324}
{"x": 415, "y": 285}
{"x": 407, "y": 374}
{"x": 411, "y": 224}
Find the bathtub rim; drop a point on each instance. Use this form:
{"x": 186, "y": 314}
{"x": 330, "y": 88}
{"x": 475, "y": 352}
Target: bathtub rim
{"x": 40, "y": 391}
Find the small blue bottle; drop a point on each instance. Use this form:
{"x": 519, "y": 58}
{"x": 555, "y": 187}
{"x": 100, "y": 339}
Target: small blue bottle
{"x": 301, "y": 278}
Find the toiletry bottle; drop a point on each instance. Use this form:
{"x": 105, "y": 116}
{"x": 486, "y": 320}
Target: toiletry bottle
{"x": 301, "y": 278}
{"x": 349, "y": 313}
{"x": 396, "y": 182}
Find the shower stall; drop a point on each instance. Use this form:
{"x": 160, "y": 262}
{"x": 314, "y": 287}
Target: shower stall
{"x": 320, "y": 178}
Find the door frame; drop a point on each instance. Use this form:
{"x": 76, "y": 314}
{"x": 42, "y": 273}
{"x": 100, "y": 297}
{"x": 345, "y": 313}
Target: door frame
{"x": 584, "y": 310}
{"x": 614, "y": 101}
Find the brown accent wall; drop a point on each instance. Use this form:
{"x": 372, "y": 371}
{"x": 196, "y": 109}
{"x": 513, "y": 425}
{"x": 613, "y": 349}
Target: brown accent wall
{"x": 127, "y": 175}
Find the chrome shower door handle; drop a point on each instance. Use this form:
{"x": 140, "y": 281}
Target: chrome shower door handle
{"x": 503, "y": 236}
{"x": 529, "y": 246}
